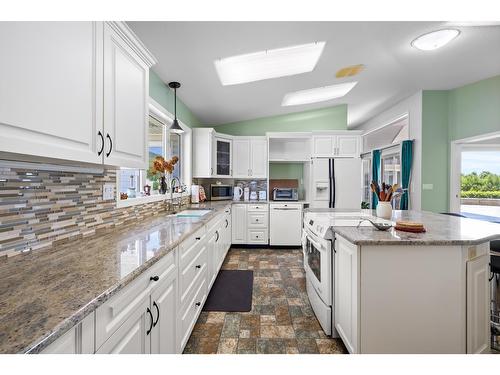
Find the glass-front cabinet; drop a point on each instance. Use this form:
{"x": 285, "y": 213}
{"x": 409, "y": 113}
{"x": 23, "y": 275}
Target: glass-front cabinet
{"x": 222, "y": 156}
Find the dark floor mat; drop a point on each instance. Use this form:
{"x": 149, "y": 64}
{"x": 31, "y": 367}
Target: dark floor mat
{"x": 231, "y": 292}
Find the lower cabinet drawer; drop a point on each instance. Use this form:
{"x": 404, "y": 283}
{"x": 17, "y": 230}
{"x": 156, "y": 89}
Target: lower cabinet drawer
{"x": 191, "y": 310}
{"x": 188, "y": 248}
{"x": 257, "y": 236}
{"x": 191, "y": 273}
{"x": 257, "y": 220}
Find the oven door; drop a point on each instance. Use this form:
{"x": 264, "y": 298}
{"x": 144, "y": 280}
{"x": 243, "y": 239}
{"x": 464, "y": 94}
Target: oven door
{"x": 318, "y": 265}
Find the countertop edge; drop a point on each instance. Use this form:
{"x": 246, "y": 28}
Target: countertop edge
{"x": 44, "y": 341}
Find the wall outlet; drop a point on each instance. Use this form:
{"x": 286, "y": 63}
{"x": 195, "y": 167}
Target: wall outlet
{"x": 427, "y": 186}
{"x": 108, "y": 192}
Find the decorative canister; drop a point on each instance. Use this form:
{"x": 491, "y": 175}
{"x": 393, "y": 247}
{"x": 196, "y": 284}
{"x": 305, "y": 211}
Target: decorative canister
{"x": 384, "y": 210}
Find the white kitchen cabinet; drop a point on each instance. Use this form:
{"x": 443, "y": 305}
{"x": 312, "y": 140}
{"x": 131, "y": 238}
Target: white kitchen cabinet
{"x": 75, "y": 91}
{"x": 478, "y": 297}
{"x": 241, "y": 157}
{"x": 212, "y": 153}
{"x": 126, "y": 94}
{"x": 285, "y": 227}
{"x": 250, "y": 157}
{"x": 336, "y": 145}
{"x": 346, "y": 293}
{"x": 51, "y": 89}
{"x": 213, "y": 248}
{"x": 78, "y": 340}
{"x": 222, "y": 155}
{"x": 239, "y": 223}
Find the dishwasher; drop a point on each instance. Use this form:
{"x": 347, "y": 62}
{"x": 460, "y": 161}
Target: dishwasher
{"x": 285, "y": 226}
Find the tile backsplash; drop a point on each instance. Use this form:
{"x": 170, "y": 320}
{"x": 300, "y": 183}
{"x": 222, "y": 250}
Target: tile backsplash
{"x": 39, "y": 208}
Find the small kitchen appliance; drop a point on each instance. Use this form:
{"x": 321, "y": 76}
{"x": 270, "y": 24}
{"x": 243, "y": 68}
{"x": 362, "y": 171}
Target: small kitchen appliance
{"x": 285, "y": 194}
{"x": 220, "y": 192}
{"x": 237, "y": 193}
{"x": 246, "y": 194}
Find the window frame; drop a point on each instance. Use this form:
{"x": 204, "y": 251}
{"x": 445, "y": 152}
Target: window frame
{"x": 163, "y": 116}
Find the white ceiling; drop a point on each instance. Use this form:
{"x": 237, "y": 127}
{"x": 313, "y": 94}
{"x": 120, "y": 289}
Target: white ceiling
{"x": 394, "y": 70}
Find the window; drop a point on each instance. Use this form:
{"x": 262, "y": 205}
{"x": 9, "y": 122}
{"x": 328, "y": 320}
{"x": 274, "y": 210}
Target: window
{"x": 391, "y": 168}
{"x": 366, "y": 165}
{"x": 161, "y": 142}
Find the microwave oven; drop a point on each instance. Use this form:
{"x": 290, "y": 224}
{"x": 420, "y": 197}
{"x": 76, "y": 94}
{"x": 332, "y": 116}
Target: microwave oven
{"x": 285, "y": 194}
{"x": 220, "y": 192}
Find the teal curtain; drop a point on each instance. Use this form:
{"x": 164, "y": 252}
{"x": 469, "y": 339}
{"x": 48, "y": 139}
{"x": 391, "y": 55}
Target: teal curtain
{"x": 406, "y": 161}
{"x": 375, "y": 173}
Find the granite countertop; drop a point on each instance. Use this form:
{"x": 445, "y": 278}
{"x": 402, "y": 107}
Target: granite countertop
{"x": 440, "y": 229}
{"x": 46, "y": 292}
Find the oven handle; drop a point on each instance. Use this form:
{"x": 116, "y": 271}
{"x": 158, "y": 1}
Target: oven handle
{"x": 318, "y": 246}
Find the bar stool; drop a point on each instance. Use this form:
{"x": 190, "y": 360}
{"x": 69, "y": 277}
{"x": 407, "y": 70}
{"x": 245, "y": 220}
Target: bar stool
{"x": 494, "y": 288}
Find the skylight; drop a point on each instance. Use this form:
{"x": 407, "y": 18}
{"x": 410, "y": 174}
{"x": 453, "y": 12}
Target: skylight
{"x": 268, "y": 64}
{"x": 319, "y": 94}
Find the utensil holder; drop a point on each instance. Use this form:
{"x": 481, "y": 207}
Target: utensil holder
{"x": 384, "y": 210}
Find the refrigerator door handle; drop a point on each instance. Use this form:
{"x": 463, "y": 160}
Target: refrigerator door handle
{"x": 329, "y": 183}
{"x": 333, "y": 183}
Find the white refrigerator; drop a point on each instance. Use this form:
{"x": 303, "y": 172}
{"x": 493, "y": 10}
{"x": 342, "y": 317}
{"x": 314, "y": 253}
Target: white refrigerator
{"x": 336, "y": 183}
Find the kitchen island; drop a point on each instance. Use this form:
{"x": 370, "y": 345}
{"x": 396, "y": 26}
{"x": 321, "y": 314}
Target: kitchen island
{"x": 400, "y": 292}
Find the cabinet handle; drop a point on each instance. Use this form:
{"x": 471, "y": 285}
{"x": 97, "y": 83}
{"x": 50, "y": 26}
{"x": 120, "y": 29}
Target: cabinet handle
{"x": 110, "y": 145}
{"x": 102, "y": 143}
{"x": 256, "y": 220}
{"x": 157, "y": 312}
{"x": 151, "y": 324}
{"x": 211, "y": 171}
{"x": 198, "y": 266}
{"x": 197, "y": 238}
{"x": 217, "y": 233}
{"x": 197, "y": 304}
{"x": 154, "y": 278}
{"x": 227, "y": 223}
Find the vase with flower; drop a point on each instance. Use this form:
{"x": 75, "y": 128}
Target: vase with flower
{"x": 162, "y": 168}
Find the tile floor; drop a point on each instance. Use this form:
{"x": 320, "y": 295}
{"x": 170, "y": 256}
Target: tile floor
{"x": 281, "y": 320}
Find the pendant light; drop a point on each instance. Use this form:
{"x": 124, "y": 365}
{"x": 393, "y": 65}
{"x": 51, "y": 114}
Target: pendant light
{"x": 175, "y": 127}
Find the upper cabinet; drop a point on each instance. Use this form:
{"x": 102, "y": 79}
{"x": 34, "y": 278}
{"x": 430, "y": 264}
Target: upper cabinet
{"x": 336, "y": 145}
{"x": 222, "y": 156}
{"x": 212, "y": 153}
{"x": 76, "y": 91}
{"x": 250, "y": 157}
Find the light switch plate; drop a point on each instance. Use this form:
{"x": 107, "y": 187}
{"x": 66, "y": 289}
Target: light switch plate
{"x": 108, "y": 192}
{"x": 427, "y": 186}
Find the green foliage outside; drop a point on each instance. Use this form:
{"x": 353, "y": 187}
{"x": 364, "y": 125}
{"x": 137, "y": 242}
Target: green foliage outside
{"x": 482, "y": 185}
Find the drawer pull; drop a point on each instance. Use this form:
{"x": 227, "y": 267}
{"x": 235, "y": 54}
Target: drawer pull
{"x": 256, "y": 219}
{"x": 154, "y": 278}
{"x": 198, "y": 266}
{"x": 197, "y": 304}
{"x": 217, "y": 233}
{"x": 151, "y": 324}
{"x": 198, "y": 238}
{"x": 227, "y": 223}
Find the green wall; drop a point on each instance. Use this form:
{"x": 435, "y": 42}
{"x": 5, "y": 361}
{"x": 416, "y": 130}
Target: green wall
{"x": 450, "y": 115}
{"x": 288, "y": 171}
{"x": 331, "y": 118}
{"x": 435, "y": 150}
{"x": 160, "y": 92}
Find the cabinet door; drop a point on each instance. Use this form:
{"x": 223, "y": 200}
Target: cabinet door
{"x": 241, "y": 158}
{"x": 222, "y": 156}
{"x": 51, "y": 89}
{"x": 126, "y": 86}
{"x": 212, "y": 258}
{"x": 133, "y": 336}
{"x": 78, "y": 340}
{"x": 323, "y": 146}
{"x": 258, "y": 158}
{"x": 347, "y": 146}
{"x": 226, "y": 230}
{"x": 478, "y": 298}
{"x": 164, "y": 310}
{"x": 239, "y": 223}
{"x": 203, "y": 159}
{"x": 346, "y": 293}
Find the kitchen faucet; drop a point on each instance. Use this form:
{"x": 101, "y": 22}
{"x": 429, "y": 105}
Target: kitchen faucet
{"x": 172, "y": 187}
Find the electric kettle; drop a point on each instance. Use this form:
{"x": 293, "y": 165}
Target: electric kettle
{"x": 237, "y": 193}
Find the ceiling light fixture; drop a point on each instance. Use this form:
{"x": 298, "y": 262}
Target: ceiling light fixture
{"x": 175, "y": 127}
{"x": 268, "y": 64}
{"x": 319, "y": 94}
{"x": 435, "y": 39}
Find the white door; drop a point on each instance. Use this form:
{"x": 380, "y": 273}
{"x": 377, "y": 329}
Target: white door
{"x": 51, "y": 89}
{"x": 258, "y": 158}
{"x": 239, "y": 223}
{"x": 285, "y": 225}
{"x": 347, "y": 146}
{"x": 241, "y": 158}
{"x": 347, "y": 183}
{"x": 126, "y": 92}
{"x": 346, "y": 293}
{"x": 164, "y": 310}
{"x": 478, "y": 298}
{"x": 133, "y": 336}
{"x": 323, "y": 146}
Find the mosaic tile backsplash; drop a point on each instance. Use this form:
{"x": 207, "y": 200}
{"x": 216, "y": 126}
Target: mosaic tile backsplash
{"x": 39, "y": 208}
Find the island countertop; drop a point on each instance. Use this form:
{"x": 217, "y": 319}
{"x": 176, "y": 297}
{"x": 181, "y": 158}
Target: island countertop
{"x": 440, "y": 229}
{"x": 46, "y": 292}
